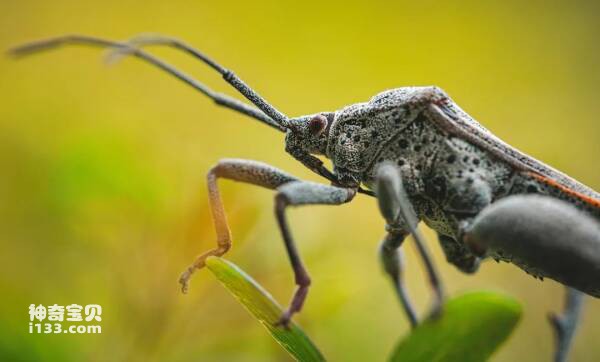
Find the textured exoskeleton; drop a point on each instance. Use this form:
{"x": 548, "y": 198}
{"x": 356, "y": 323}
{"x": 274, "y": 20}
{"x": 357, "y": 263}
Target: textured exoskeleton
{"x": 424, "y": 159}
{"x": 451, "y": 166}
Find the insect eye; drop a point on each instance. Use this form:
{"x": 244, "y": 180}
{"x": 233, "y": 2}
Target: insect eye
{"x": 317, "y": 124}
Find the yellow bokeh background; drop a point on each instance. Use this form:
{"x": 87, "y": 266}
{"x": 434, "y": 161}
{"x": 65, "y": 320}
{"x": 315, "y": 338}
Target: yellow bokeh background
{"x": 102, "y": 185}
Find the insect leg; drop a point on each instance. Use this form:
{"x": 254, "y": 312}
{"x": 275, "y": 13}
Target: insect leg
{"x": 399, "y": 213}
{"x": 546, "y": 237}
{"x": 392, "y": 260}
{"x": 565, "y": 324}
{"x": 295, "y": 194}
{"x": 290, "y": 192}
{"x": 218, "y": 98}
{"x": 248, "y": 171}
{"x": 542, "y": 235}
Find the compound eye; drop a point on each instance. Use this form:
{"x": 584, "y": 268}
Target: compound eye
{"x": 317, "y": 124}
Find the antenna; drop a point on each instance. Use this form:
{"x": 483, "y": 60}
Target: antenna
{"x": 265, "y": 113}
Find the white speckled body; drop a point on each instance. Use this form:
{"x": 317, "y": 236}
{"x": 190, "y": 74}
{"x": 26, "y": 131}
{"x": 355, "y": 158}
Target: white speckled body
{"x": 449, "y": 178}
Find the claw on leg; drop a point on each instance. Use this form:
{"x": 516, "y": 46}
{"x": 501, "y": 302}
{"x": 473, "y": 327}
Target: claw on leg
{"x": 199, "y": 263}
{"x": 295, "y": 306}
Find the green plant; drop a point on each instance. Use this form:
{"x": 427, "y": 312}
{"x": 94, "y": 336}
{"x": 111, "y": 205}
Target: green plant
{"x": 264, "y": 308}
{"x": 470, "y": 329}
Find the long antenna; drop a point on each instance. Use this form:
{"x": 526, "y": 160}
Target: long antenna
{"x": 266, "y": 113}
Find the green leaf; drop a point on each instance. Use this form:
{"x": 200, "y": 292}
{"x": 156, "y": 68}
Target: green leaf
{"x": 264, "y": 308}
{"x": 470, "y": 329}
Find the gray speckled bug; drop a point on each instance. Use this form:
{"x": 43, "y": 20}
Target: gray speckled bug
{"x": 423, "y": 158}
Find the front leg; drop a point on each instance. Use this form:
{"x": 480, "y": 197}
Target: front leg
{"x": 290, "y": 192}
{"x": 247, "y": 171}
{"x": 296, "y": 194}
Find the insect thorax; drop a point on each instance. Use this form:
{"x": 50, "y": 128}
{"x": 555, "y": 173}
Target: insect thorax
{"x": 451, "y": 174}
{"x": 446, "y": 177}
{"x": 360, "y": 131}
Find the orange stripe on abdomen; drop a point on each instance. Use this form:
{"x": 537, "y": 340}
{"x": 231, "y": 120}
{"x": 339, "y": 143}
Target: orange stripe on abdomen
{"x": 550, "y": 182}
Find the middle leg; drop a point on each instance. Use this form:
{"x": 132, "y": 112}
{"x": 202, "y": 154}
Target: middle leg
{"x": 401, "y": 220}
{"x": 392, "y": 260}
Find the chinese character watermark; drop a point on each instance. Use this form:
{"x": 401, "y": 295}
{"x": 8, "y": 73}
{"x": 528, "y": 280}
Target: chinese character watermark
{"x": 57, "y": 313}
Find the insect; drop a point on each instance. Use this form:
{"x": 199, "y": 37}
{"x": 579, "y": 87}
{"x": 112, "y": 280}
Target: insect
{"x": 424, "y": 159}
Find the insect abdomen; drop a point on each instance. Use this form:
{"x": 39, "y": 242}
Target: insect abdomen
{"x": 528, "y": 182}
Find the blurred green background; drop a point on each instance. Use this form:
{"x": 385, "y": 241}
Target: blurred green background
{"x": 103, "y": 168}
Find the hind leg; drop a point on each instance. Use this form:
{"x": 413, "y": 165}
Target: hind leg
{"x": 565, "y": 324}
{"x": 546, "y": 237}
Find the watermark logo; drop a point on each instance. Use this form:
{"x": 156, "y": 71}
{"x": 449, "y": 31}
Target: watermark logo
{"x": 58, "y": 313}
